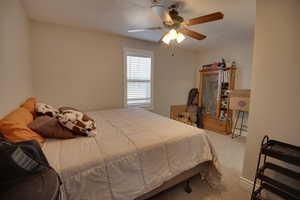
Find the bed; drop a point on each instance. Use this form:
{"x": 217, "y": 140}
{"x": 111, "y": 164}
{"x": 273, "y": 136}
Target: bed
{"x": 135, "y": 155}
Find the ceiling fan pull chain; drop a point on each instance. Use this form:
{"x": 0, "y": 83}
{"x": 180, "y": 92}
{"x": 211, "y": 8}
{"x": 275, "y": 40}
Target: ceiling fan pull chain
{"x": 172, "y": 48}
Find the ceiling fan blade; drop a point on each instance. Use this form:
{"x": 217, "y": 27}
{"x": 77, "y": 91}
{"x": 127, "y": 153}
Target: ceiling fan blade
{"x": 162, "y": 12}
{"x": 205, "y": 18}
{"x": 145, "y": 29}
{"x": 135, "y": 30}
{"x": 193, "y": 34}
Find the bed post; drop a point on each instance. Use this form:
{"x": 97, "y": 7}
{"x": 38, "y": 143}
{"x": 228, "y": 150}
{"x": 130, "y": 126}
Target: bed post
{"x": 187, "y": 187}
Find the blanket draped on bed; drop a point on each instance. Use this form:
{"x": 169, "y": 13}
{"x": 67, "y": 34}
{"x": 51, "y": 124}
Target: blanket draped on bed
{"x": 134, "y": 152}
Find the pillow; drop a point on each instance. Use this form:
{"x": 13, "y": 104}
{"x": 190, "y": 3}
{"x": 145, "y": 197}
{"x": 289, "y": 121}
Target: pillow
{"x": 62, "y": 109}
{"x": 20, "y": 115}
{"x": 49, "y": 127}
{"x": 30, "y": 105}
{"x": 44, "y": 109}
{"x": 78, "y": 122}
{"x": 14, "y": 126}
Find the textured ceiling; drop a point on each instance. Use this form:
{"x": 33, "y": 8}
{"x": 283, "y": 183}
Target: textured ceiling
{"x": 117, "y": 16}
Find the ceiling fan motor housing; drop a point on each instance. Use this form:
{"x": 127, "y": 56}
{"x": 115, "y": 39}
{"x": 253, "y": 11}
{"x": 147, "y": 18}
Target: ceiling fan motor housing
{"x": 160, "y": 10}
{"x": 174, "y": 15}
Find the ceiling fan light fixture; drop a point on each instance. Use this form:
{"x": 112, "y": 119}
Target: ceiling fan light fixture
{"x": 180, "y": 37}
{"x": 172, "y": 34}
{"x": 166, "y": 39}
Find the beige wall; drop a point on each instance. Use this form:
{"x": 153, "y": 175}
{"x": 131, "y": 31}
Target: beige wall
{"x": 275, "y": 100}
{"x": 85, "y": 68}
{"x": 239, "y": 51}
{"x": 15, "y": 67}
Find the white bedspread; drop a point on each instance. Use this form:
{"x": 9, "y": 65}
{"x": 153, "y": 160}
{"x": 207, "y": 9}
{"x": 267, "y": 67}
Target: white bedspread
{"x": 134, "y": 152}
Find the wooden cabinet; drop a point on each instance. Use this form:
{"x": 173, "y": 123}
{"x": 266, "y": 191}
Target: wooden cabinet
{"x": 214, "y": 100}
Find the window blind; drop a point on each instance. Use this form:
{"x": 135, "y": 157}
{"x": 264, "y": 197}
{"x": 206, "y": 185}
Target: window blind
{"x": 138, "y": 80}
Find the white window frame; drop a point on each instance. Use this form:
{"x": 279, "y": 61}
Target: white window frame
{"x": 142, "y": 53}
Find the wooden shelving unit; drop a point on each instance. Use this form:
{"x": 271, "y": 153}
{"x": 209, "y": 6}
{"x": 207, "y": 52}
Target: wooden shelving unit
{"x": 213, "y": 99}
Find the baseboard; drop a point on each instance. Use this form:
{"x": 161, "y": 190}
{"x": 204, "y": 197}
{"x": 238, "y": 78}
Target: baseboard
{"x": 244, "y": 133}
{"x": 246, "y": 184}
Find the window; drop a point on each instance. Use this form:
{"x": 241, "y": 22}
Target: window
{"x": 138, "y": 78}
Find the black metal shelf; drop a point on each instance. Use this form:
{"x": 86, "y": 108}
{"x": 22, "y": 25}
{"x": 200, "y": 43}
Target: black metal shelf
{"x": 281, "y": 170}
{"x": 276, "y": 184}
{"x": 274, "y": 190}
{"x": 281, "y": 151}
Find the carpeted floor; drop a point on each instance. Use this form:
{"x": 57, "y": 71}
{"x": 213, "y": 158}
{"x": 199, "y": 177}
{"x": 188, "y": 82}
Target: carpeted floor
{"x": 231, "y": 155}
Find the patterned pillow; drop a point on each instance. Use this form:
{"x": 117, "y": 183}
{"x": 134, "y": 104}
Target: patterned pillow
{"x": 62, "y": 109}
{"x": 77, "y": 121}
{"x": 44, "y": 109}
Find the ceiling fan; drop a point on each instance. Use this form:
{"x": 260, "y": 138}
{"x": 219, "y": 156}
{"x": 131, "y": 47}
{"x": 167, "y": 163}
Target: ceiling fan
{"x": 175, "y": 24}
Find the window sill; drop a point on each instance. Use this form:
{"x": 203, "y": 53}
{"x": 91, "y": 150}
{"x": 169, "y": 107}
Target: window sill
{"x": 145, "y": 106}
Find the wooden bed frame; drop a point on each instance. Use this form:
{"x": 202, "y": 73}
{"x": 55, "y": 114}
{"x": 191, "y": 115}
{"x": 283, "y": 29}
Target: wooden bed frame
{"x": 202, "y": 168}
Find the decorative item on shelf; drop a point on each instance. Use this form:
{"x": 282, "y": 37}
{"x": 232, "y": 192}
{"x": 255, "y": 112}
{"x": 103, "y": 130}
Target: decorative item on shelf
{"x": 227, "y": 92}
{"x": 233, "y": 64}
{"x": 222, "y": 116}
{"x": 222, "y": 64}
{"x": 224, "y": 104}
{"x": 208, "y": 66}
{"x": 214, "y": 65}
{"x": 224, "y": 77}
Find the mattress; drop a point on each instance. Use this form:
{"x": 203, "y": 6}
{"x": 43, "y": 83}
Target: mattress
{"x": 134, "y": 152}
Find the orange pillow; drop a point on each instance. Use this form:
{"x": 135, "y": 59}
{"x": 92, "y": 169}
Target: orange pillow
{"x": 20, "y": 115}
{"x": 30, "y": 105}
{"x": 14, "y": 126}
